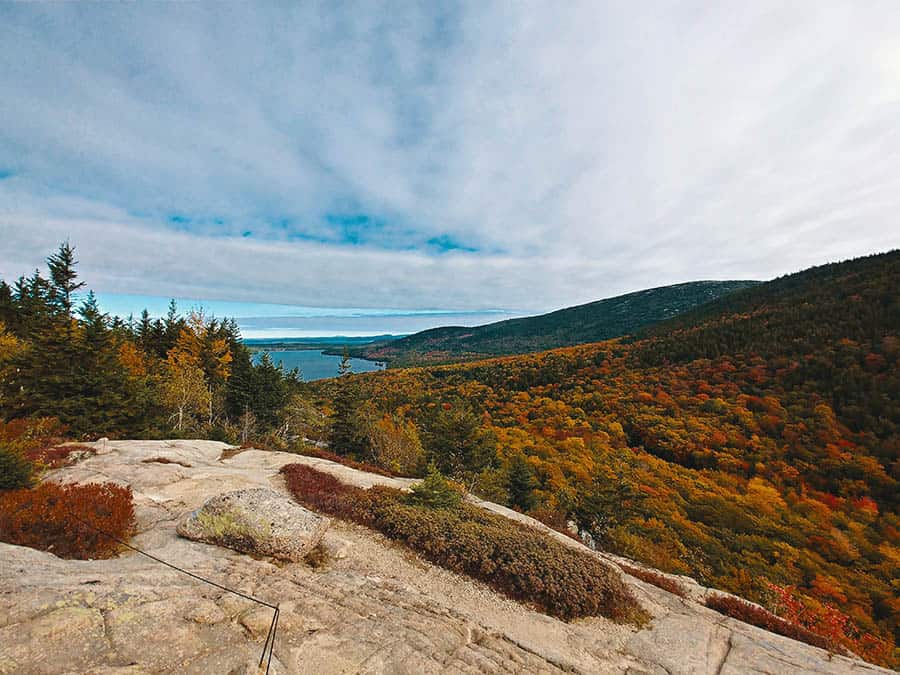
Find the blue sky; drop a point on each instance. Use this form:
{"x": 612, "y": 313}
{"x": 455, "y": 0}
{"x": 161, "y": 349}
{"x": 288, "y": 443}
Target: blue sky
{"x": 467, "y": 157}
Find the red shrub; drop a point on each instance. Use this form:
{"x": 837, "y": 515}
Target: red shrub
{"x": 757, "y": 616}
{"x": 519, "y": 561}
{"x": 655, "y": 578}
{"x": 829, "y": 622}
{"x": 57, "y": 455}
{"x": 164, "y": 460}
{"x": 65, "y": 519}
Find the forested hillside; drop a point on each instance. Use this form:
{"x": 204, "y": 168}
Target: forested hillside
{"x": 592, "y": 322}
{"x": 62, "y": 359}
{"x": 752, "y": 443}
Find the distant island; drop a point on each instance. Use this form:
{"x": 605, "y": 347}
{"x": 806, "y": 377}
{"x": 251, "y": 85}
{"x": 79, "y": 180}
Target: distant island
{"x": 331, "y": 344}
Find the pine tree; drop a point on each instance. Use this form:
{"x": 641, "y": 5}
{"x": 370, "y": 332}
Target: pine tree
{"x": 348, "y": 434}
{"x": 239, "y": 388}
{"x": 520, "y": 484}
{"x": 107, "y": 395}
{"x": 7, "y": 304}
{"x": 144, "y": 330}
{"x": 62, "y": 277}
{"x": 457, "y": 443}
{"x": 434, "y": 492}
{"x": 270, "y": 391}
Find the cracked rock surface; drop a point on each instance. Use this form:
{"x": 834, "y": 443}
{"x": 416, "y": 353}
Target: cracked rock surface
{"x": 374, "y": 607}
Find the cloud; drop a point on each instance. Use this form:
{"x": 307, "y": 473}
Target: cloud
{"x": 479, "y": 156}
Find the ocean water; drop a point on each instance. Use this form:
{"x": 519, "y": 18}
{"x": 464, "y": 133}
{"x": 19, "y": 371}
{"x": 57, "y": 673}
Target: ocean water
{"x": 315, "y": 365}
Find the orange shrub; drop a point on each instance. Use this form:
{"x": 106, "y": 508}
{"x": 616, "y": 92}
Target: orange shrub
{"x": 65, "y": 519}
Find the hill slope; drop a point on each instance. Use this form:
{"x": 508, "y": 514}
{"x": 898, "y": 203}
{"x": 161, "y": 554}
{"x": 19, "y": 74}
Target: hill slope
{"x": 752, "y": 443}
{"x": 592, "y": 322}
{"x": 373, "y": 608}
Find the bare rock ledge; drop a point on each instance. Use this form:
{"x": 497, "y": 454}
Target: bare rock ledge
{"x": 374, "y": 608}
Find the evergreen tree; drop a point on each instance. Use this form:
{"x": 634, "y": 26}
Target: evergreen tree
{"x": 7, "y": 304}
{"x": 434, "y": 492}
{"x": 239, "y": 388}
{"x": 348, "y": 433}
{"x": 455, "y": 441}
{"x": 108, "y": 396}
{"x": 270, "y": 391}
{"x": 144, "y": 330}
{"x": 520, "y": 484}
{"x": 62, "y": 277}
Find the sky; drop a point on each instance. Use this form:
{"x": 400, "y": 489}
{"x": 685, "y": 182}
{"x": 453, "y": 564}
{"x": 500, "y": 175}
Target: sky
{"x": 438, "y": 160}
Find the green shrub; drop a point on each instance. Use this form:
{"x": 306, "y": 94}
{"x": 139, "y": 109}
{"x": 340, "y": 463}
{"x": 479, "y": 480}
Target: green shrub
{"x": 434, "y": 492}
{"x": 15, "y": 470}
{"x": 514, "y": 559}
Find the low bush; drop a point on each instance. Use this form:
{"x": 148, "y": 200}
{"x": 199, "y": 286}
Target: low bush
{"x": 313, "y": 451}
{"x": 164, "y": 460}
{"x": 555, "y": 520}
{"x": 58, "y": 455}
{"x": 16, "y": 471}
{"x": 35, "y": 432}
{"x": 763, "y": 618}
{"x": 435, "y": 492}
{"x": 655, "y": 578}
{"x": 521, "y": 562}
{"x": 67, "y": 520}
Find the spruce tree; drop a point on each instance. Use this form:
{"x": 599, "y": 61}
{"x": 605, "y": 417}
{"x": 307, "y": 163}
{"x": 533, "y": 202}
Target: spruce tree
{"x": 348, "y": 433}
{"x": 270, "y": 391}
{"x": 520, "y": 484}
{"x": 63, "y": 278}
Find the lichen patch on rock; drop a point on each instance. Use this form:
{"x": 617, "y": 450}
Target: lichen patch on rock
{"x": 257, "y": 521}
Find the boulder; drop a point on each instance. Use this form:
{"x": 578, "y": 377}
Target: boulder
{"x": 258, "y": 521}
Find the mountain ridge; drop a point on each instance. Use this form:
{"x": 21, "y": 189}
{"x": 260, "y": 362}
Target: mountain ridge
{"x": 590, "y": 322}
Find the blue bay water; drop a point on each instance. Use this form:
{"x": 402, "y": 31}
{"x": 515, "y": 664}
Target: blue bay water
{"x": 315, "y": 365}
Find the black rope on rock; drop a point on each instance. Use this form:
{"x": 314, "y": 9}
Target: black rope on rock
{"x": 273, "y": 627}
{"x": 269, "y": 645}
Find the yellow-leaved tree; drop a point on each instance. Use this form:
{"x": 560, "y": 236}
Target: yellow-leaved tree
{"x": 196, "y": 370}
{"x": 9, "y": 347}
{"x": 395, "y": 445}
{"x": 184, "y": 390}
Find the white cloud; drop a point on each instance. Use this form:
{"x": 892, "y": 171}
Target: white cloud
{"x": 585, "y": 149}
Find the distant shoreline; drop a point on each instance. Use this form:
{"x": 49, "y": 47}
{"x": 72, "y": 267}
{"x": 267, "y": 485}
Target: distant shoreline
{"x": 326, "y": 344}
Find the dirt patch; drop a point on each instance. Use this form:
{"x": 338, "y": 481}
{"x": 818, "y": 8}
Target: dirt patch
{"x": 165, "y": 460}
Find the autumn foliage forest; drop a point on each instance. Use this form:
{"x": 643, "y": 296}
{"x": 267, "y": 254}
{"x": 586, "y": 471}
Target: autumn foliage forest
{"x": 751, "y": 443}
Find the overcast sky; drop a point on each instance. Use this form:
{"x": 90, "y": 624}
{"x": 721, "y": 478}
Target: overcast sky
{"x": 456, "y": 156}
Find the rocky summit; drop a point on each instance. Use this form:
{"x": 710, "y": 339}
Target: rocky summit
{"x": 371, "y": 607}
